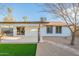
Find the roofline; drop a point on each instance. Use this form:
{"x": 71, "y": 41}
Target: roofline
{"x": 58, "y": 25}
{"x": 29, "y": 22}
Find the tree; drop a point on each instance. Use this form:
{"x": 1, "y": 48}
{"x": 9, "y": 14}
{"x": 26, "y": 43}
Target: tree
{"x": 68, "y": 12}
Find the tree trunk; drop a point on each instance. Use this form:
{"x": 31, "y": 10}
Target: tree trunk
{"x": 73, "y": 38}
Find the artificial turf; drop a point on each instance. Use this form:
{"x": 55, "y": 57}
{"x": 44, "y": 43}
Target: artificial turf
{"x": 18, "y": 49}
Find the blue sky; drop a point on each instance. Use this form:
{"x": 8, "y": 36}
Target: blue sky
{"x": 32, "y": 11}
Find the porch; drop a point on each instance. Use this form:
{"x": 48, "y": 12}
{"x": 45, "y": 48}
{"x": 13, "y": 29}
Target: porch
{"x": 20, "y": 32}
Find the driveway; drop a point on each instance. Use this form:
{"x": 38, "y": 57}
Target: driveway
{"x": 53, "y": 48}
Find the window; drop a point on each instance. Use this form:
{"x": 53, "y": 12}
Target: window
{"x": 58, "y": 29}
{"x": 20, "y": 30}
{"x": 49, "y": 29}
{"x": 7, "y": 31}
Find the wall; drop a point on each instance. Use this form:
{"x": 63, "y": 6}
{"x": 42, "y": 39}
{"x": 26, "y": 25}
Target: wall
{"x": 65, "y": 32}
{"x": 30, "y": 36}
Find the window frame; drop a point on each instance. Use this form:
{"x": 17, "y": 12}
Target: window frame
{"x": 20, "y": 30}
{"x": 48, "y": 31}
{"x": 59, "y": 29}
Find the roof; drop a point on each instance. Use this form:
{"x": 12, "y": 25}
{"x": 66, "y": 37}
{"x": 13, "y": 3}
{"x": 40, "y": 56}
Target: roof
{"x": 28, "y": 22}
{"x": 38, "y": 22}
{"x": 56, "y": 24}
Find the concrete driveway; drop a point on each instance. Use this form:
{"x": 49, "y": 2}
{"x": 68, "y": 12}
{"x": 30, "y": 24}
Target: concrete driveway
{"x": 52, "y": 48}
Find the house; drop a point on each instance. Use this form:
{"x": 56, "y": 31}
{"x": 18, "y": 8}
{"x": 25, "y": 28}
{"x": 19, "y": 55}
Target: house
{"x": 30, "y": 31}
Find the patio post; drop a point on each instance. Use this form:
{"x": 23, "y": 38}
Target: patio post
{"x": 39, "y": 33}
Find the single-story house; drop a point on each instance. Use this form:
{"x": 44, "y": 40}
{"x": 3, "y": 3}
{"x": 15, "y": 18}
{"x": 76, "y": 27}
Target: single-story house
{"x": 31, "y": 31}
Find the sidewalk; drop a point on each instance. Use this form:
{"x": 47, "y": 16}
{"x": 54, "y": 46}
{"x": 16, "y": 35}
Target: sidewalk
{"x": 55, "y": 48}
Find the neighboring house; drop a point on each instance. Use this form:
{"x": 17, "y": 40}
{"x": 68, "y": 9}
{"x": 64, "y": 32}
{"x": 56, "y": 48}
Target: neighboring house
{"x": 31, "y": 31}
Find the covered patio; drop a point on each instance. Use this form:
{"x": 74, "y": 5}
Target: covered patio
{"x": 31, "y": 33}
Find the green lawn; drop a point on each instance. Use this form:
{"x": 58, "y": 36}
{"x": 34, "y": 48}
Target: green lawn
{"x": 18, "y": 49}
